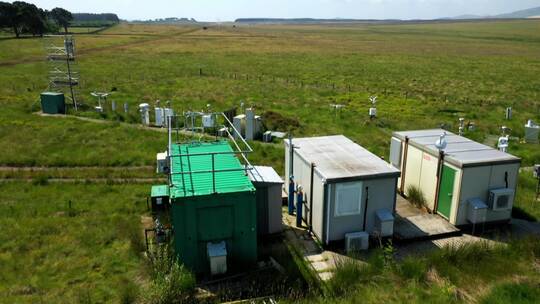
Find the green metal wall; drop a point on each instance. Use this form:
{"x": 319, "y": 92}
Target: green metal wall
{"x": 198, "y": 220}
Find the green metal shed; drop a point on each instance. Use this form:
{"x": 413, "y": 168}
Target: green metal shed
{"x": 212, "y": 201}
{"x": 53, "y": 103}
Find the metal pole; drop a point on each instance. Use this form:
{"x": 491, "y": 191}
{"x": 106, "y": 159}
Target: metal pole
{"x": 69, "y": 75}
{"x": 291, "y": 155}
{"x": 311, "y": 199}
{"x": 404, "y": 166}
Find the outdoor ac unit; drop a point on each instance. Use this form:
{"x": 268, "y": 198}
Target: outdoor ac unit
{"x": 384, "y": 222}
{"x": 356, "y": 241}
{"x": 501, "y": 199}
{"x": 476, "y": 211}
{"x": 162, "y": 164}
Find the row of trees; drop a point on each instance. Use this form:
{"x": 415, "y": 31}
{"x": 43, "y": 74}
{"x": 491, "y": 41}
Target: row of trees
{"x": 26, "y": 18}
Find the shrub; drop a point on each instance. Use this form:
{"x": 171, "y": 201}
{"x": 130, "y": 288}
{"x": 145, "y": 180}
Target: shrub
{"x": 348, "y": 273}
{"x": 171, "y": 281}
{"x": 128, "y": 290}
{"x": 40, "y": 180}
{"x": 413, "y": 268}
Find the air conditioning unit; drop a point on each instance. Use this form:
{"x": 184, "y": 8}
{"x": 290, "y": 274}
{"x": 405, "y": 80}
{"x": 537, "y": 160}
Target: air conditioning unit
{"x": 476, "y": 211}
{"x": 501, "y": 199}
{"x": 162, "y": 165}
{"x": 384, "y": 222}
{"x": 356, "y": 241}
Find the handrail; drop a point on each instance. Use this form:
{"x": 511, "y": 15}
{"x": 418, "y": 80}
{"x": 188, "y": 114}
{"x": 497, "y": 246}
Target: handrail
{"x": 238, "y": 151}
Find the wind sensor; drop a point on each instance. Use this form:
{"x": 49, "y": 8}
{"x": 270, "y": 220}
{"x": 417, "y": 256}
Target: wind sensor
{"x": 373, "y": 109}
{"x": 100, "y": 95}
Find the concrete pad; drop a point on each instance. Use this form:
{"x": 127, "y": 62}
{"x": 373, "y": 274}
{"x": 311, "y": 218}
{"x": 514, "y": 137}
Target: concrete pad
{"x": 320, "y": 266}
{"x": 423, "y": 226}
{"x": 325, "y": 276}
{"x": 405, "y": 209}
{"x": 315, "y": 257}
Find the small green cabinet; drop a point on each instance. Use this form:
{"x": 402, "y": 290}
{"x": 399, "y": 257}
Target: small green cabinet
{"x": 53, "y": 103}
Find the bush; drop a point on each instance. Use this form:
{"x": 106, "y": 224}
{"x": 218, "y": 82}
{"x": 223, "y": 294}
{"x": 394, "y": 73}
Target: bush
{"x": 348, "y": 273}
{"x": 171, "y": 281}
{"x": 40, "y": 180}
{"x": 128, "y": 290}
{"x": 413, "y": 268}
{"x": 416, "y": 196}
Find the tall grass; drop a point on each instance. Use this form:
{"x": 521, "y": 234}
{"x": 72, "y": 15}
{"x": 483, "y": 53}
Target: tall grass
{"x": 416, "y": 196}
{"x": 171, "y": 282}
{"x": 453, "y": 274}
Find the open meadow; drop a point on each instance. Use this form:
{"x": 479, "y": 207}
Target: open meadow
{"x": 425, "y": 75}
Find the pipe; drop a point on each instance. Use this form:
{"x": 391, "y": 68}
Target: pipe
{"x": 366, "y": 209}
{"x": 439, "y": 179}
{"x": 291, "y": 196}
{"x": 327, "y": 199}
{"x": 404, "y": 166}
{"x": 299, "y": 203}
{"x": 291, "y": 176}
{"x": 291, "y": 155}
{"x": 506, "y": 178}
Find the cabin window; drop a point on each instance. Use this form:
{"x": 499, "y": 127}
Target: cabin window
{"x": 348, "y": 199}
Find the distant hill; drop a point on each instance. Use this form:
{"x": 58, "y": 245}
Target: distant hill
{"x": 305, "y": 20}
{"x": 528, "y": 13}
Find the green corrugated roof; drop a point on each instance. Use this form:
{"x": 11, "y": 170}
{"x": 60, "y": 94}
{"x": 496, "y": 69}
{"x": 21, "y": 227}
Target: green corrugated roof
{"x": 201, "y": 183}
{"x": 160, "y": 190}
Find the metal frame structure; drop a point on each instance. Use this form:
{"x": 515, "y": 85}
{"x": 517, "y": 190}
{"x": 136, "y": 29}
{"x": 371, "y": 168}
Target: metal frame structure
{"x": 63, "y": 74}
{"x": 191, "y": 116}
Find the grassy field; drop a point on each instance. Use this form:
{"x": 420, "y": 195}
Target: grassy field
{"x": 424, "y": 74}
{"x": 50, "y": 253}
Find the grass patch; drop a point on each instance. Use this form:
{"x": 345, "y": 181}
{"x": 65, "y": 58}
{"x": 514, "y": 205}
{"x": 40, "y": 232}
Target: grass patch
{"x": 518, "y": 293}
{"x": 53, "y": 253}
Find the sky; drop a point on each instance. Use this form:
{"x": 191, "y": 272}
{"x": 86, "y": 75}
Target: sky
{"x": 229, "y": 10}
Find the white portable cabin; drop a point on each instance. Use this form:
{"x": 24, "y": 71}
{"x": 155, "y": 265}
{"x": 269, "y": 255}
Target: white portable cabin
{"x": 456, "y": 181}
{"x": 344, "y": 186}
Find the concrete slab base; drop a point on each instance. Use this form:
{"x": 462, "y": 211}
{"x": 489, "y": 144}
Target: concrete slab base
{"x": 416, "y": 224}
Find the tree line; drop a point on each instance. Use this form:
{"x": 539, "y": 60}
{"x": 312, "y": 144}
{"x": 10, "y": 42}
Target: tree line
{"x": 81, "y": 17}
{"x": 26, "y": 18}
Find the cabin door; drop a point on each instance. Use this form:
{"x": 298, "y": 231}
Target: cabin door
{"x": 446, "y": 192}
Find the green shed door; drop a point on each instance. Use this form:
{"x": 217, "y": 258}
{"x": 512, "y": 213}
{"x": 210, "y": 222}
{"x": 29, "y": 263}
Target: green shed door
{"x": 446, "y": 191}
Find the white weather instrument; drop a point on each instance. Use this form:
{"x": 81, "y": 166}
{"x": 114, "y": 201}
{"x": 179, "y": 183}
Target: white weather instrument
{"x": 373, "y": 109}
{"x": 100, "y": 96}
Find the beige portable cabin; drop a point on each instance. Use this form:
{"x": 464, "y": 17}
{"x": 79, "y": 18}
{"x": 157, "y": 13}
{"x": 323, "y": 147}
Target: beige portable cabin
{"x": 466, "y": 183}
{"x": 347, "y": 189}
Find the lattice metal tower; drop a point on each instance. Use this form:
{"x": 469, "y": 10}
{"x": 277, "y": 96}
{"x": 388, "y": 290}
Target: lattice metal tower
{"x": 63, "y": 74}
